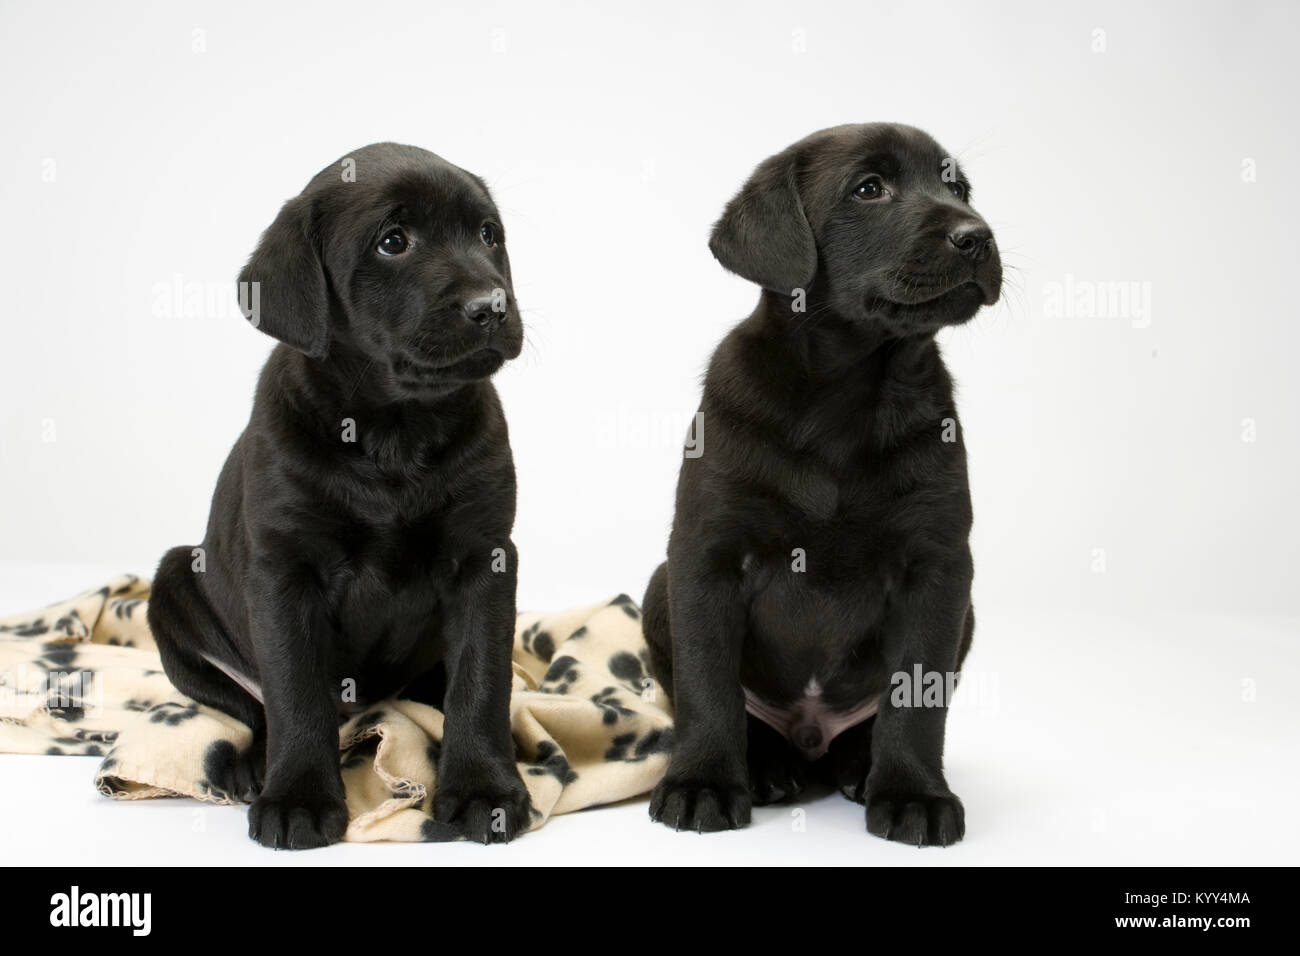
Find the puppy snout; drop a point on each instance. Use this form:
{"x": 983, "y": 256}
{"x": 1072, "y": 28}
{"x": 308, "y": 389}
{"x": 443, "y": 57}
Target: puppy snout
{"x": 972, "y": 240}
{"x": 485, "y": 311}
{"x": 807, "y": 737}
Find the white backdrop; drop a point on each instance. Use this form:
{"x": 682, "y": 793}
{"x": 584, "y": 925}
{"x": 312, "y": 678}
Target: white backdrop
{"x": 1136, "y": 162}
{"x": 1130, "y": 407}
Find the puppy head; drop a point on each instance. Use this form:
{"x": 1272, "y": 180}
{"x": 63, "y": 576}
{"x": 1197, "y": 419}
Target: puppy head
{"x": 394, "y": 255}
{"x": 877, "y": 218}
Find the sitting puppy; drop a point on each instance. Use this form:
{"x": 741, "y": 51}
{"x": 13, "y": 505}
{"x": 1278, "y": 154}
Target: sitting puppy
{"x": 819, "y": 546}
{"x": 360, "y": 529}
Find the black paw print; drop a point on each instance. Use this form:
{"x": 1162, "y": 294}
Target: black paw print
{"x": 56, "y": 656}
{"x": 171, "y": 714}
{"x": 30, "y": 629}
{"x": 610, "y": 706}
{"x": 551, "y": 760}
{"x": 70, "y": 623}
{"x": 76, "y": 745}
{"x": 562, "y": 673}
{"x": 537, "y": 642}
{"x": 627, "y": 748}
{"x": 627, "y": 605}
{"x": 65, "y": 693}
{"x": 124, "y": 608}
{"x": 630, "y": 669}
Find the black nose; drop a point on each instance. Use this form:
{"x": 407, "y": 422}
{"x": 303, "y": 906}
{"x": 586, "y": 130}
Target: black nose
{"x": 972, "y": 240}
{"x": 807, "y": 738}
{"x": 480, "y": 311}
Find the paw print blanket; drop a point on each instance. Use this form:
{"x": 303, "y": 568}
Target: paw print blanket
{"x": 84, "y": 677}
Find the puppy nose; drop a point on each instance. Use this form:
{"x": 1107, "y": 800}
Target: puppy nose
{"x": 480, "y": 311}
{"x": 807, "y": 737}
{"x": 971, "y": 240}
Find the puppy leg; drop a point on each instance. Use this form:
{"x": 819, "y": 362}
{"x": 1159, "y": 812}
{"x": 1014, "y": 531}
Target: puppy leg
{"x": 967, "y": 636}
{"x": 776, "y": 771}
{"x": 479, "y": 790}
{"x": 655, "y": 627}
{"x": 183, "y": 626}
{"x": 706, "y": 787}
{"x": 850, "y": 752}
{"x": 302, "y": 804}
{"x": 907, "y": 797}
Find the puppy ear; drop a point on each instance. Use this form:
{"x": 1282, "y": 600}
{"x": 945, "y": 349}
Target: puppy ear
{"x": 282, "y": 289}
{"x": 763, "y": 235}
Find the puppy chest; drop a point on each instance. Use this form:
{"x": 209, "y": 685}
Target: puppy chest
{"x": 377, "y": 558}
{"x": 840, "y": 570}
{"x": 386, "y": 636}
{"x": 387, "y": 591}
{"x": 815, "y": 603}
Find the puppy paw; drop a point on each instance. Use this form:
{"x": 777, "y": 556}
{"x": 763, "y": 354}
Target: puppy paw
{"x": 849, "y": 758}
{"x": 704, "y": 806}
{"x": 239, "y": 775}
{"x": 918, "y": 819}
{"x": 305, "y": 818}
{"x": 485, "y": 812}
{"x": 849, "y": 773}
{"x": 776, "y": 771}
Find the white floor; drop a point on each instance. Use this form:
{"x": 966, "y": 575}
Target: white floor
{"x": 1073, "y": 741}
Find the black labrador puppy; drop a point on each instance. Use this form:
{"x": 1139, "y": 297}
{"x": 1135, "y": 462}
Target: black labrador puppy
{"x": 818, "y": 563}
{"x": 360, "y": 530}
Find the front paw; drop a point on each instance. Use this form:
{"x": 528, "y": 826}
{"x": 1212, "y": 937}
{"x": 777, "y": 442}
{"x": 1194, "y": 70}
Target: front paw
{"x": 849, "y": 757}
{"x": 776, "y": 771}
{"x": 484, "y": 807}
{"x": 918, "y": 819}
{"x": 237, "y": 774}
{"x": 702, "y": 805}
{"x": 302, "y": 816}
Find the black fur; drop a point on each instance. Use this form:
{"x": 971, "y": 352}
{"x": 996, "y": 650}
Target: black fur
{"x": 823, "y": 430}
{"x": 375, "y": 560}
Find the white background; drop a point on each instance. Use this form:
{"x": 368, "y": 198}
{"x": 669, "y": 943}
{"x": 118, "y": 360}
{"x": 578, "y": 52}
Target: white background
{"x": 1135, "y": 549}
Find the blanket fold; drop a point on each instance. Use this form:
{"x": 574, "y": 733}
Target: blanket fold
{"x": 84, "y": 677}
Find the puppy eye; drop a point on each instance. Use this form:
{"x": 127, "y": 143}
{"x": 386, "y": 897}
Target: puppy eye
{"x": 394, "y": 243}
{"x": 959, "y": 189}
{"x": 870, "y": 188}
{"x": 489, "y": 234}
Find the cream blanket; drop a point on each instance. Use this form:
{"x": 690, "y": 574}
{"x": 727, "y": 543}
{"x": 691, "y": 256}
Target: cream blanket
{"x": 84, "y": 677}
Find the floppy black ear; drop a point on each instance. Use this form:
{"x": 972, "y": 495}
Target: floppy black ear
{"x": 282, "y": 288}
{"x": 763, "y": 234}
